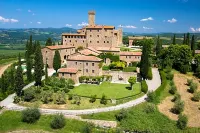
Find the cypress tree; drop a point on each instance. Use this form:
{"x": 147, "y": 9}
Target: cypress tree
{"x": 174, "y": 40}
{"x": 3, "y": 86}
{"x": 193, "y": 45}
{"x": 19, "y": 82}
{"x": 184, "y": 40}
{"x": 188, "y": 39}
{"x": 56, "y": 61}
{"x": 31, "y": 45}
{"x": 12, "y": 78}
{"x": 49, "y": 42}
{"x": 29, "y": 68}
{"x": 46, "y": 72}
{"x": 38, "y": 65}
{"x": 158, "y": 45}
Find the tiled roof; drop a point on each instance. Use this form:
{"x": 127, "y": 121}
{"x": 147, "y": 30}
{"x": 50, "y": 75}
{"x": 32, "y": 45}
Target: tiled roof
{"x": 59, "y": 47}
{"x": 68, "y": 70}
{"x": 197, "y": 51}
{"x": 100, "y": 26}
{"x": 80, "y": 57}
{"x": 112, "y": 49}
{"x": 88, "y": 52}
{"x": 94, "y": 50}
{"x": 131, "y": 53}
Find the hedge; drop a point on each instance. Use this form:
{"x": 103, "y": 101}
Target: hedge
{"x": 144, "y": 87}
{"x": 149, "y": 74}
{"x": 129, "y": 69}
{"x": 106, "y": 68}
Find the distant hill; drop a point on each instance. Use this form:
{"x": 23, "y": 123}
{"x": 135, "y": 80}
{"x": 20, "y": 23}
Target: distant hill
{"x": 20, "y": 36}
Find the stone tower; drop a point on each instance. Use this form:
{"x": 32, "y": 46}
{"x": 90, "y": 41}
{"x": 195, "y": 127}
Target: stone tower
{"x": 91, "y": 18}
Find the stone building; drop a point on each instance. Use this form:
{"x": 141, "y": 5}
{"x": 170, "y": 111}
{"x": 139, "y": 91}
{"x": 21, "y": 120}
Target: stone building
{"x": 67, "y": 73}
{"x": 133, "y": 40}
{"x": 88, "y": 65}
{"x": 94, "y": 35}
{"x": 49, "y": 51}
{"x": 130, "y": 57}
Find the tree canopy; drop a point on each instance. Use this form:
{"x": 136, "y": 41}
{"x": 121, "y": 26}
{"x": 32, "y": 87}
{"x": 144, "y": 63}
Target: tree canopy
{"x": 57, "y": 60}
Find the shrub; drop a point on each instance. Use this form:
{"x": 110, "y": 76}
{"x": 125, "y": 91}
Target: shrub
{"x": 150, "y": 108}
{"x": 189, "y": 82}
{"x": 176, "y": 97}
{"x": 151, "y": 97}
{"x": 170, "y": 76}
{"x": 178, "y": 107}
{"x": 103, "y": 100}
{"x": 196, "y": 96}
{"x": 93, "y": 98}
{"x": 171, "y": 83}
{"x": 88, "y": 128}
{"x": 47, "y": 96}
{"x": 58, "y": 121}
{"x": 193, "y": 88}
{"x": 56, "y": 89}
{"x": 29, "y": 94}
{"x": 182, "y": 121}
{"x": 77, "y": 100}
{"x": 30, "y": 115}
{"x": 129, "y": 69}
{"x": 16, "y": 99}
{"x": 70, "y": 97}
{"x": 70, "y": 83}
{"x": 144, "y": 87}
{"x": 172, "y": 90}
{"x": 121, "y": 115}
{"x": 60, "y": 97}
{"x": 106, "y": 68}
{"x": 149, "y": 74}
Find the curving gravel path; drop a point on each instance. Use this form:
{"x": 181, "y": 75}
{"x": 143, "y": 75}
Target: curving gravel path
{"x": 152, "y": 85}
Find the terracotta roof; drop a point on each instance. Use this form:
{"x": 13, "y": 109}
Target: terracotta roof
{"x": 72, "y": 34}
{"x": 131, "y": 53}
{"x": 100, "y": 26}
{"x": 59, "y": 47}
{"x": 68, "y": 70}
{"x": 80, "y": 57}
{"x": 139, "y": 37}
{"x": 112, "y": 49}
{"x": 197, "y": 51}
{"x": 88, "y": 52}
{"x": 94, "y": 50}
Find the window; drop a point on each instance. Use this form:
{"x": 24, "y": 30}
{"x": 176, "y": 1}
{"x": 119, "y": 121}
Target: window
{"x": 90, "y": 30}
{"x": 90, "y": 41}
{"x": 46, "y": 51}
{"x": 90, "y": 35}
{"x": 86, "y": 64}
{"x": 92, "y": 71}
{"x": 126, "y": 57}
{"x": 104, "y": 41}
{"x": 76, "y": 63}
{"x": 65, "y": 57}
{"x": 83, "y": 40}
{"x": 76, "y": 40}
{"x": 92, "y": 64}
{"x": 107, "y": 41}
{"x": 97, "y": 41}
{"x": 70, "y": 41}
{"x": 65, "y": 40}
{"x": 97, "y": 35}
{"x": 87, "y": 70}
{"x": 63, "y": 74}
{"x": 70, "y": 75}
{"x": 98, "y": 30}
{"x": 129, "y": 57}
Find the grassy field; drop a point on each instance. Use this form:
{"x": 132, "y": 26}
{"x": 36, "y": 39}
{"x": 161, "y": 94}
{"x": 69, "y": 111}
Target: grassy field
{"x": 11, "y": 121}
{"x": 11, "y": 52}
{"x": 7, "y": 61}
{"x": 113, "y": 91}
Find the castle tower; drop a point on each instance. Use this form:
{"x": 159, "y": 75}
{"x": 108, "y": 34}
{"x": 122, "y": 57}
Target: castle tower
{"x": 91, "y": 18}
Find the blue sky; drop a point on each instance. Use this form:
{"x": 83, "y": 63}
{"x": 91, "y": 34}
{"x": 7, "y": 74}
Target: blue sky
{"x": 132, "y": 15}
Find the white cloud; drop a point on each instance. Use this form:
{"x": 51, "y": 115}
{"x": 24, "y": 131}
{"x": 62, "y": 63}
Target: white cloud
{"x": 127, "y": 26}
{"x": 146, "y": 28}
{"x": 173, "y": 20}
{"x": 39, "y": 22}
{"x": 33, "y": 14}
{"x": 83, "y": 24}
{"x": 195, "y": 30}
{"x": 29, "y": 10}
{"x": 147, "y": 19}
{"x": 6, "y": 20}
{"x": 68, "y": 25}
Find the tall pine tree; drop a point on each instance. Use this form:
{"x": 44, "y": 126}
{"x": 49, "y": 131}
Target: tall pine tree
{"x": 49, "y": 42}
{"x": 174, "y": 40}
{"x": 3, "y": 86}
{"x": 29, "y": 68}
{"x": 19, "y": 81}
{"x": 38, "y": 65}
{"x": 193, "y": 45}
{"x": 46, "y": 73}
{"x": 158, "y": 45}
{"x": 188, "y": 39}
{"x": 184, "y": 39}
{"x": 31, "y": 45}
{"x": 56, "y": 61}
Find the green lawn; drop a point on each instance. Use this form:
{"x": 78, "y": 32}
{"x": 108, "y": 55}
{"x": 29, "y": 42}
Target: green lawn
{"x": 111, "y": 90}
{"x": 11, "y": 52}
{"x": 11, "y": 120}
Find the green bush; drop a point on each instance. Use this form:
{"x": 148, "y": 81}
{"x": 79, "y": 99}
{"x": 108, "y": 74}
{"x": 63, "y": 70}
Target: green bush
{"x": 144, "y": 87}
{"x": 171, "y": 83}
{"x": 176, "y": 97}
{"x": 47, "y": 96}
{"x": 178, "y": 107}
{"x": 16, "y": 99}
{"x": 58, "y": 122}
{"x": 182, "y": 121}
{"x": 29, "y": 94}
{"x": 88, "y": 128}
{"x": 70, "y": 83}
{"x": 30, "y": 115}
{"x": 121, "y": 115}
{"x": 150, "y": 108}
{"x": 60, "y": 97}
{"x": 196, "y": 96}
{"x": 172, "y": 89}
{"x": 193, "y": 88}
{"x": 170, "y": 76}
{"x": 129, "y": 69}
{"x": 105, "y": 68}
{"x": 103, "y": 100}
{"x": 189, "y": 82}
{"x": 151, "y": 97}
{"x": 70, "y": 97}
{"x": 93, "y": 98}
{"x": 149, "y": 74}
